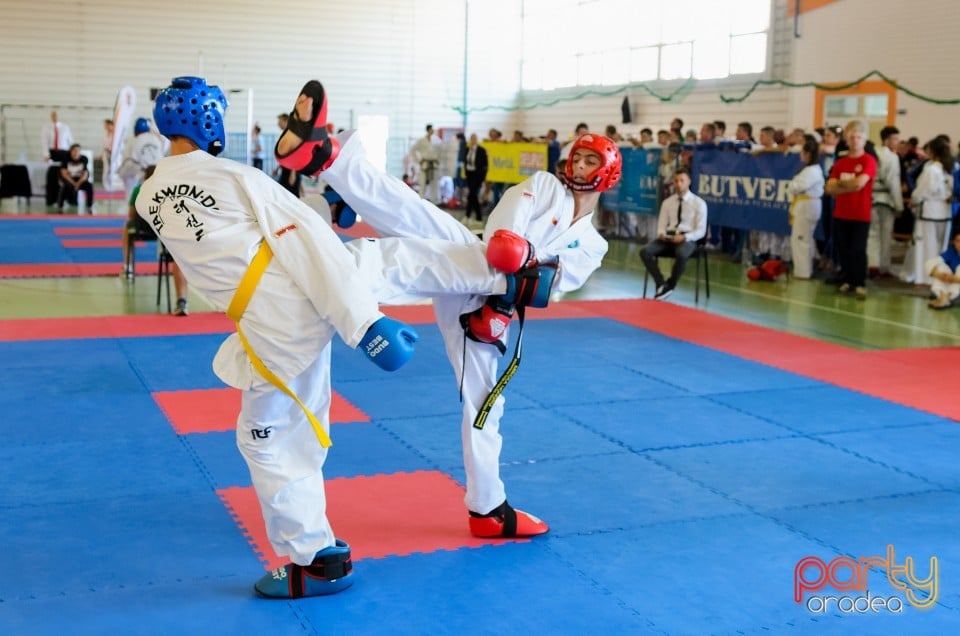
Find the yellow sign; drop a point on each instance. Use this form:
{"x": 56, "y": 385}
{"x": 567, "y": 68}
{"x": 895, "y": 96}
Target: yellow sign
{"x": 514, "y": 162}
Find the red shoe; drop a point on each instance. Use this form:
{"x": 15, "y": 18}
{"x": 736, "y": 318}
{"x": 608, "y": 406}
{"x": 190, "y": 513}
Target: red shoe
{"x": 505, "y": 521}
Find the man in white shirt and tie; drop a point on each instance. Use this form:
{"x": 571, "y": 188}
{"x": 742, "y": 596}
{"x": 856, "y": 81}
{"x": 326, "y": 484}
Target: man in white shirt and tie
{"x": 682, "y": 222}
{"x": 54, "y": 136}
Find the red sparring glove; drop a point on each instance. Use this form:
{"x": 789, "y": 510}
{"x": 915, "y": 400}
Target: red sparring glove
{"x": 489, "y": 323}
{"x": 509, "y": 252}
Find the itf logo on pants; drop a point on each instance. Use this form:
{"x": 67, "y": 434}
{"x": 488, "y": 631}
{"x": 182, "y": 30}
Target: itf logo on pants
{"x": 846, "y": 574}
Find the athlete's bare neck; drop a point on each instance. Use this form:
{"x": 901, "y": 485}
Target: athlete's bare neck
{"x": 583, "y": 204}
{"x": 181, "y": 146}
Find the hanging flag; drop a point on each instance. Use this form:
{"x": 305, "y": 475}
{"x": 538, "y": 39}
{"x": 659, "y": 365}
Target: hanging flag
{"x": 625, "y": 110}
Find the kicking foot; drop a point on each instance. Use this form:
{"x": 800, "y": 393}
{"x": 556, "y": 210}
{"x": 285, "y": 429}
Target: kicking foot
{"x": 330, "y": 572}
{"x": 505, "y": 521}
{"x": 306, "y": 146}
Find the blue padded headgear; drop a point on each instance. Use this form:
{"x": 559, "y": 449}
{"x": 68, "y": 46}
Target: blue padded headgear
{"x": 189, "y": 108}
{"x": 141, "y": 126}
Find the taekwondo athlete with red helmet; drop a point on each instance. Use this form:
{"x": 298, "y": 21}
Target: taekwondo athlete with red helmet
{"x": 222, "y": 220}
{"x": 538, "y": 225}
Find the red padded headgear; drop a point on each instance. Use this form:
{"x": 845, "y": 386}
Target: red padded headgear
{"x": 610, "y": 170}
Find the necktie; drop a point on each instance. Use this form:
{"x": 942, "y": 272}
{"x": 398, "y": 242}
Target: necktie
{"x": 56, "y": 137}
{"x": 679, "y": 212}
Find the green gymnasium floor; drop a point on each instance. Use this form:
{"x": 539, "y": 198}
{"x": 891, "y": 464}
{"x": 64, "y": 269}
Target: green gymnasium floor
{"x": 894, "y": 316}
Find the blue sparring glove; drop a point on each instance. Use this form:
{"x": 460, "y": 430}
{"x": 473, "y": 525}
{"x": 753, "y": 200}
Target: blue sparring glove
{"x": 389, "y": 343}
{"x": 341, "y": 213}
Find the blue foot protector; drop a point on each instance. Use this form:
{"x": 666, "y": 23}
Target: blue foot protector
{"x": 330, "y": 572}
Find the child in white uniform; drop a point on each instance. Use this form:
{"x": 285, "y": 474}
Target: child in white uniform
{"x": 554, "y": 217}
{"x": 807, "y": 190}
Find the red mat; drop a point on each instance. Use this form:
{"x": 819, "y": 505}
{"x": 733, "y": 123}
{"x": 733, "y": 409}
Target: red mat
{"x": 372, "y": 514}
{"x": 60, "y": 270}
{"x": 118, "y": 243}
{"x": 114, "y": 326}
{"x": 215, "y": 410}
{"x": 83, "y": 231}
{"x": 911, "y": 377}
{"x": 357, "y": 230}
{"x": 62, "y": 217}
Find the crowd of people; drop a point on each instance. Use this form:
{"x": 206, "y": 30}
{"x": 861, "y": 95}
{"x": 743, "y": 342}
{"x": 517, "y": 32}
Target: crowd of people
{"x": 842, "y": 235}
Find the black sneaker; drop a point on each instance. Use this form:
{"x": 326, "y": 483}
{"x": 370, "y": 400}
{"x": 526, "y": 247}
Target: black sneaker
{"x": 663, "y": 292}
{"x": 181, "y": 309}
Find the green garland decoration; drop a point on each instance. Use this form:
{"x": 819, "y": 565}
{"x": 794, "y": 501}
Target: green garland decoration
{"x": 682, "y": 90}
{"x": 838, "y": 87}
{"x": 688, "y": 85}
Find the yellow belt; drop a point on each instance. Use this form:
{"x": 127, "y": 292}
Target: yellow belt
{"x": 799, "y": 197}
{"x": 238, "y": 304}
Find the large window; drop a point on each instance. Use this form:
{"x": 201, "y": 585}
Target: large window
{"x": 612, "y": 42}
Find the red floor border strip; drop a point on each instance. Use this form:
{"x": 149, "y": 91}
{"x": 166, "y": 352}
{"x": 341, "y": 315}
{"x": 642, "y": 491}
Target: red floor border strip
{"x": 60, "y": 270}
{"x": 910, "y": 377}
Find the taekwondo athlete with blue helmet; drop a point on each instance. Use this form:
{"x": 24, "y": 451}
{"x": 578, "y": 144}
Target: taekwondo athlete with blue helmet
{"x": 227, "y": 223}
{"x": 538, "y": 225}
{"x": 215, "y": 216}
{"x": 139, "y": 153}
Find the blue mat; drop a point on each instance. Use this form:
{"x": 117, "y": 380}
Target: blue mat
{"x": 35, "y": 241}
{"x": 682, "y": 487}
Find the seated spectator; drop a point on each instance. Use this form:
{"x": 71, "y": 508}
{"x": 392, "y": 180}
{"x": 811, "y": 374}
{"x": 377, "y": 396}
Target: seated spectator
{"x": 682, "y": 222}
{"x": 75, "y": 178}
{"x": 134, "y": 227}
{"x": 944, "y": 272}
{"x": 137, "y": 226}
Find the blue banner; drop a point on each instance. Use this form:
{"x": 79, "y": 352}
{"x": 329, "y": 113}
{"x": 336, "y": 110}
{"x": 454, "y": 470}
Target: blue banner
{"x": 745, "y": 191}
{"x": 637, "y": 190}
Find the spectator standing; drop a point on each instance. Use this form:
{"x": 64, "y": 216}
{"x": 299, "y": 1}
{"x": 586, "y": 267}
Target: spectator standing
{"x": 931, "y": 204}
{"x": 256, "y": 148}
{"x": 289, "y": 179}
{"x": 475, "y": 168}
{"x": 851, "y": 186}
{"x": 807, "y": 191}
{"x": 426, "y": 155}
{"x": 54, "y": 135}
{"x": 887, "y": 203}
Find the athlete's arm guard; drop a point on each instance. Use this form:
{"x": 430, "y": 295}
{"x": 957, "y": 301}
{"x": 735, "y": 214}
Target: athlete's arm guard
{"x": 531, "y": 286}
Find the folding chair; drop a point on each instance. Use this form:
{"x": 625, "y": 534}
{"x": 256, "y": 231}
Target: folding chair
{"x": 700, "y": 254}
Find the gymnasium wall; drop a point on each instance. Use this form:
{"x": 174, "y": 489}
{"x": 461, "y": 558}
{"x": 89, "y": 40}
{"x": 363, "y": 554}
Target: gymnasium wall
{"x": 399, "y": 58}
{"x": 405, "y": 59}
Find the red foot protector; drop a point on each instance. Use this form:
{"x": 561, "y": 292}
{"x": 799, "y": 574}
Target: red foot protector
{"x": 507, "y": 521}
{"x": 373, "y": 515}
{"x": 216, "y": 410}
